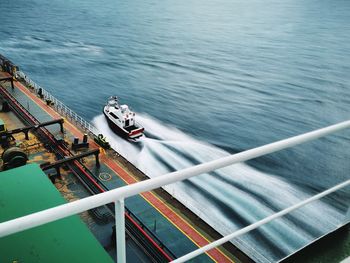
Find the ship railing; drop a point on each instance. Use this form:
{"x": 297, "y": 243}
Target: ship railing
{"x": 58, "y": 105}
{"x": 66, "y": 112}
{"x": 120, "y": 194}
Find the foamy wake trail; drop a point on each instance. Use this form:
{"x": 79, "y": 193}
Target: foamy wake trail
{"x": 231, "y": 197}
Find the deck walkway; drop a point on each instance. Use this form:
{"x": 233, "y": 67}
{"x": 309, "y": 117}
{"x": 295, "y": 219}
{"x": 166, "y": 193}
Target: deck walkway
{"x": 170, "y": 227}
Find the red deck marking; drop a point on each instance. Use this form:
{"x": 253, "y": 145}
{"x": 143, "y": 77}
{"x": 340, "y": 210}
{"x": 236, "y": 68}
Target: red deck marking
{"x": 164, "y": 209}
{"x": 74, "y": 130}
{"x": 171, "y": 215}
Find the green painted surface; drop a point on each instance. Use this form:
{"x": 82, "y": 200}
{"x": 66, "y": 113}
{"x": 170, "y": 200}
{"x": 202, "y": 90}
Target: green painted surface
{"x": 26, "y": 190}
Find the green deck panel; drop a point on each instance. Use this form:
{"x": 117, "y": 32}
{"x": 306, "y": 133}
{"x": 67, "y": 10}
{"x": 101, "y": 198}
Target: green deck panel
{"x": 170, "y": 235}
{"x": 27, "y": 190}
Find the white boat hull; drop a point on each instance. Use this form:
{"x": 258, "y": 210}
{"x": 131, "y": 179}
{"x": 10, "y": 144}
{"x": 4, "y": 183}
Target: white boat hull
{"x": 125, "y": 133}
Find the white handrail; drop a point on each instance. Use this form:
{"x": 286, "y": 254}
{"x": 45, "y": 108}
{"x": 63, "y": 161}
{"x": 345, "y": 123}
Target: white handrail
{"x": 82, "y": 205}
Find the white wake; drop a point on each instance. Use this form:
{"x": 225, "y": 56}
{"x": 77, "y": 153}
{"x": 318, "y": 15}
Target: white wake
{"x": 231, "y": 197}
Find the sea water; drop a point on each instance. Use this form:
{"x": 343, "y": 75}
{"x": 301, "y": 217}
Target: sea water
{"x": 208, "y": 79}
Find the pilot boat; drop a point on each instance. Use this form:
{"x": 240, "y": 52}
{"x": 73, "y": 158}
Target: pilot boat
{"x": 121, "y": 119}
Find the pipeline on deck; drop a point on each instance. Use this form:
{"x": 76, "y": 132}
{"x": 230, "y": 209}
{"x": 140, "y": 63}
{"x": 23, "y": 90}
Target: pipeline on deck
{"x": 135, "y": 227}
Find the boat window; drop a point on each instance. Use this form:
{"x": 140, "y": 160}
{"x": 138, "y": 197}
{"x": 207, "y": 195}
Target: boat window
{"x": 114, "y": 116}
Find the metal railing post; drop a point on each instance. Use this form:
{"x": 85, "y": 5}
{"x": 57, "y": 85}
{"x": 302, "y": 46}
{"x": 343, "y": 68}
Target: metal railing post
{"x": 120, "y": 230}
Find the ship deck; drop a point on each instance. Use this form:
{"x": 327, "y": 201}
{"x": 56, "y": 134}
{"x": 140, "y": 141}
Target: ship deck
{"x": 26, "y": 190}
{"x": 176, "y": 227}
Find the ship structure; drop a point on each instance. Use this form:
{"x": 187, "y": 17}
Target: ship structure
{"x": 51, "y": 156}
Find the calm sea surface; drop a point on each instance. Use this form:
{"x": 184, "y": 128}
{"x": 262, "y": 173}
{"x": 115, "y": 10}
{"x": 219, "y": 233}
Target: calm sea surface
{"x": 208, "y": 78}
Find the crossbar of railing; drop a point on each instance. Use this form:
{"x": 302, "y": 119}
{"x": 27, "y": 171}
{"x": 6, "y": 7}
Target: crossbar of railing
{"x": 259, "y": 223}
{"x": 62, "y": 211}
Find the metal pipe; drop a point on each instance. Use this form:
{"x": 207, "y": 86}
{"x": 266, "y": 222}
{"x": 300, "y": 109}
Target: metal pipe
{"x": 259, "y": 223}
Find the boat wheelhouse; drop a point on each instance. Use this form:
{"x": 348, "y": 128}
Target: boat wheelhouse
{"x": 121, "y": 119}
